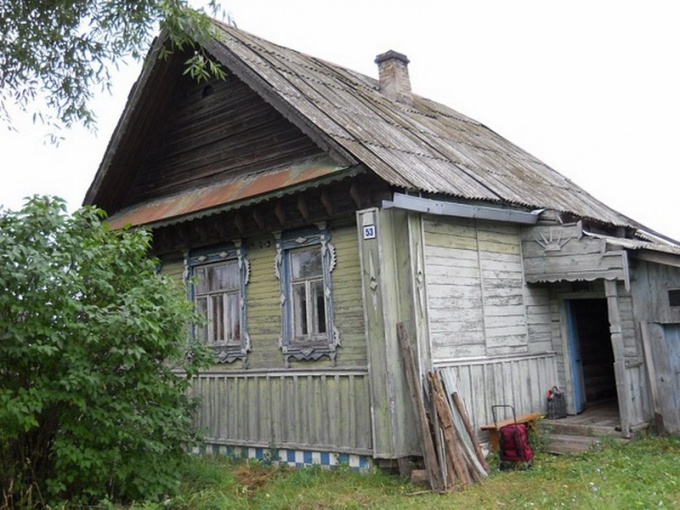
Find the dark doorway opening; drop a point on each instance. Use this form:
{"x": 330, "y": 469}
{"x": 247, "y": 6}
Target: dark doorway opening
{"x": 591, "y": 352}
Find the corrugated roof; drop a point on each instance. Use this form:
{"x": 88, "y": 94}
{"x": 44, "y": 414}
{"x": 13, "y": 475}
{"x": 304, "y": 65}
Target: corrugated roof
{"x": 660, "y": 245}
{"x": 426, "y": 147}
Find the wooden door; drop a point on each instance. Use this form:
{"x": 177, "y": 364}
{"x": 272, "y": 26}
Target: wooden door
{"x": 575, "y": 361}
{"x": 672, "y": 336}
{"x": 662, "y": 350}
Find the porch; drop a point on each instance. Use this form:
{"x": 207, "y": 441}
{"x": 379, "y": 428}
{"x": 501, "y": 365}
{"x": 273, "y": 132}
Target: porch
{"x": 578, "y": 433}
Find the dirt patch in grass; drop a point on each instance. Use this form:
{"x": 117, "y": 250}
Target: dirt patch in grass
{"x": 254, "y": 476}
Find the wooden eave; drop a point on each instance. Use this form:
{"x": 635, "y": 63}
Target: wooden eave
{"x": 224, "y": 196}
{"x": 335, "y": 199}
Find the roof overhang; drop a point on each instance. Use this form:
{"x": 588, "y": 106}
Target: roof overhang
{"x": 660, "y": 253}
{"x": 441, "y": 208}
{"x": 225, "y": 196}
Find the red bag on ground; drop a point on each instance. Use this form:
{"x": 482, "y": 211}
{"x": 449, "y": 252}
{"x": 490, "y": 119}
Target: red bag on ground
{"x": 514, "y": 444}
{"x": 513, "y": 439}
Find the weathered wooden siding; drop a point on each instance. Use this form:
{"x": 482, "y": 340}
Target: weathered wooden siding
{"x": 537, "y": 302}
{"x": 558, "y": 333}
{"x": 640, "y": 407}
{"x": 650, "y": 289}
{"x": 520, "y": 381}
{"x": 490, "y": 333}
{"x": 563, "y": 253}
{"x": 347, "y": 299}
{"x": 323, "y": 410}
{"x": 207, "y": 126}
{"x": 172, "y": 266}
{"x": 475, "y": 289}
{"x": 263, "y": 307}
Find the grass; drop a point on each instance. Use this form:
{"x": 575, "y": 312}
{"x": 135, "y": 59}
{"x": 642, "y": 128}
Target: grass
{"x": 644, "y": 474}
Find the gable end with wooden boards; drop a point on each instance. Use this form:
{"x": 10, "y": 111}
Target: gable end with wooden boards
{"x": 309, "y": 209}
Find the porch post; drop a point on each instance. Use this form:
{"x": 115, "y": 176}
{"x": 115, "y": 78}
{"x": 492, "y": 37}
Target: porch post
{"x": 616, "y": 334}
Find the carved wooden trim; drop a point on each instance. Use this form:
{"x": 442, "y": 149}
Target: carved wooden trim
{"x": 303, "y": 207}
{"x": 280, "y": 212}
{"x": 232, "y": 251}
{"x": 319, "y": 348}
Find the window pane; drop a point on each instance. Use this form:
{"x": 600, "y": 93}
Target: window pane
{"x": 318, "y": 307}
{"x": 224, "y": 276}
{"x": 201, "y": 280}
{"x": 300, "y": 310}
{"x": 202, "y": 309}
{"x": 217, "y": 318}
{"x": 233, "y": 319}
{"x": 306, "y": 262}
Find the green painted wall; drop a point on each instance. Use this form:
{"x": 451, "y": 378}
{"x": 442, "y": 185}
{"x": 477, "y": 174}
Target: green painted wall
{"x": 264, "y": 307}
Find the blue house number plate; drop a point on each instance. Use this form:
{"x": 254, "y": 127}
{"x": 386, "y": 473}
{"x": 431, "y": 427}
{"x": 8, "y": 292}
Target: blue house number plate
{"x": 369, "y": 232}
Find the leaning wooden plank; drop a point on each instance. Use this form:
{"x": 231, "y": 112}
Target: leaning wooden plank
{"x": 622, "y": 389}
{"x": 465, "y": 440}
{"x": 446, "y": 424}
{"x": 665, "y": 377}
{"x": 465, "y": 450}
{"x": 651, "y": 375}
{"x": 429, "y": 455}
{"x": 476, "y": 468}
{"x": 470, "y": 430}
{"x": 447, "y": 471}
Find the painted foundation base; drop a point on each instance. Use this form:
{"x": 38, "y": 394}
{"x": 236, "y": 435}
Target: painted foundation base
{"x": 292, "y": 458}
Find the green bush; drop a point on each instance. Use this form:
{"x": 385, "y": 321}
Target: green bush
{"x": 92, "y": 340}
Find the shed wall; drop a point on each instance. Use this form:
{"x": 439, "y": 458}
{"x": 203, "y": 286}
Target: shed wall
{"x": 650, "y": 289}
{"x": 653, "y": 318}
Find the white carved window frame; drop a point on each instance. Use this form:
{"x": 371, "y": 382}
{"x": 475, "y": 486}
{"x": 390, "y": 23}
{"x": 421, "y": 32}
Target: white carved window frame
{"x": 312, "y": 347}
{"x": 234, "y": 251}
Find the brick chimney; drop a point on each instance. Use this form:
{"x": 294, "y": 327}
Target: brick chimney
{"x": 393, "y": 74}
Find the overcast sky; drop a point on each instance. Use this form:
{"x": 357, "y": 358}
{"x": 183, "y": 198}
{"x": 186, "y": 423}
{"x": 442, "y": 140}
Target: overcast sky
{"x": 591, "y": 87}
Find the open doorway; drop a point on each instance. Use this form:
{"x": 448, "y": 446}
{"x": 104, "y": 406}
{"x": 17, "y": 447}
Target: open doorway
{"x": 590, "y": 352}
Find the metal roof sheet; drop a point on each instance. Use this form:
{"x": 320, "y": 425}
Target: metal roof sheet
{"x": 234, "y": 192}
{"x": 637, "y": 244}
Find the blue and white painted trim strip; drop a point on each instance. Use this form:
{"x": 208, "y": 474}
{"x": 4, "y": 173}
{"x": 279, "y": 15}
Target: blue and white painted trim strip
{"x": 292, "y": 458}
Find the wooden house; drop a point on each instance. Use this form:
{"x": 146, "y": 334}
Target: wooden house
{"x": 315, "y": 208}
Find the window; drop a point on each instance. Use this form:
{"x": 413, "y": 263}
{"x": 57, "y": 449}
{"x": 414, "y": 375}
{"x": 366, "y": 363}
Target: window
{"x": 218, "y": 299}
{"x": 309, "y": 305}
{"x": 220, "y": 280}
{"x": 674, "y": 297}
{"x": 304, "y": 263}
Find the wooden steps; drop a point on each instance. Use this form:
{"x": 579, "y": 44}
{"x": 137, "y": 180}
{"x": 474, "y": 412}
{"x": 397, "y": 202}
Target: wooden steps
{"x": 560, "y": 444}
{"x": 565, "y": 437}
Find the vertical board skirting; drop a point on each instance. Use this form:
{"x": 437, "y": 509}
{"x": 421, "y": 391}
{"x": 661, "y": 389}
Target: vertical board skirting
{"x": 323, "y": 411}
{"x": 482, "y": 383}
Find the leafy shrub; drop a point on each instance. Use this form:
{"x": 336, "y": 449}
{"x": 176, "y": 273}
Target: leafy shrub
{"x": 92, "y": 339}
